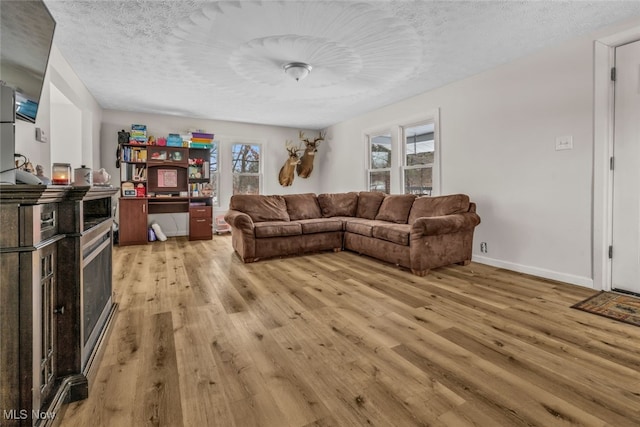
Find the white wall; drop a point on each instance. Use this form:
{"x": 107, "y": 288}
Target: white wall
{"x": 87, "y": 122}
{"x": 498, "y": 132}
{"x": 65, "y": 136}
{"x": 274, "y": 154}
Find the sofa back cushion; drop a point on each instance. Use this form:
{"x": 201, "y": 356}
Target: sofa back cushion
{"x": 302, "y": 206}
{"x": 368, "y": 204}
{"x": 437, "y": 206}
{"x": 395, "y": 208}
{"x": 338, "y": 204}
{"x": 260, "y": 208}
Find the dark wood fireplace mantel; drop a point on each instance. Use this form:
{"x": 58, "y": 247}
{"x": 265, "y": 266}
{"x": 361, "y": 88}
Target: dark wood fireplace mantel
{"x": 52, "y": 318}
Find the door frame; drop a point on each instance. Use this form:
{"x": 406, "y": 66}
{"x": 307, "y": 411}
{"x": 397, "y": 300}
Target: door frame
{"x": 603, "y": 113}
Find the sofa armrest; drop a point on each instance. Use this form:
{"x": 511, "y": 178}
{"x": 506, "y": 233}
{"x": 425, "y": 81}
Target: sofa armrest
{"x": 447, "y": 224}
{"x": 240, "y": 221}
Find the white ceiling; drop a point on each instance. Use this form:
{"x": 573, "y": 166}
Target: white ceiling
{"x": 223, "y": 60}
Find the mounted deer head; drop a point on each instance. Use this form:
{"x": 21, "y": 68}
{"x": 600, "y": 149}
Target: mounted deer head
{"x": 305, "y": 167}
{"x": 287, "y": 170}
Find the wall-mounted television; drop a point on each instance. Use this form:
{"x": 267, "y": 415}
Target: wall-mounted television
{"x": 26, "y": 35}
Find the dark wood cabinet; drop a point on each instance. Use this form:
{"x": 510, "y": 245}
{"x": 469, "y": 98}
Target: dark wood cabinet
{"x": 133, "y": 221}
{"x": 53, "y": 317}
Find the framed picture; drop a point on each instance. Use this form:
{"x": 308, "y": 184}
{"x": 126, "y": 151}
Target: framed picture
{"x": 167, "y": 178}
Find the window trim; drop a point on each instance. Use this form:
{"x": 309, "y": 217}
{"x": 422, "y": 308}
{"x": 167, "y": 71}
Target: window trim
{"x": 395, "y": 129}
{"x": 433, "y": 165}
{"x": 370, "y": 169}
{"x": 260, "y": 165}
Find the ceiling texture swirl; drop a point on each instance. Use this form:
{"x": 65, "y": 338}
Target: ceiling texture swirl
{"x": 224, "y": 60}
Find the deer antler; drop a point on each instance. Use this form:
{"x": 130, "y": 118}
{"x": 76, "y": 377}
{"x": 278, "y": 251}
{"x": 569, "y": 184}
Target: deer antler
{"x": 292, "y": 149}
{"x": 307, "y": 141}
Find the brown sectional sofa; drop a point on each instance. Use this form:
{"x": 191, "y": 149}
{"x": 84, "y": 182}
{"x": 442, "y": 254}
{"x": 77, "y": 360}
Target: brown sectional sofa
{"x": 419, "y": 233}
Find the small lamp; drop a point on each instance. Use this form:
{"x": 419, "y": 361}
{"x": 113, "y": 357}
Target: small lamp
{"x": 297, "y": 70}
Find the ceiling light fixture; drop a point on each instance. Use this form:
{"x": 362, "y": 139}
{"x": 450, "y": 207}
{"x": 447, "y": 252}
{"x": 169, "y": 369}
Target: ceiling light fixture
{"x": 297, "y": 70}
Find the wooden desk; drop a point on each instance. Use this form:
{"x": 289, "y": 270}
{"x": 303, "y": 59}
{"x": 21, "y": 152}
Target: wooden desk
{"x": 134, "y": 216}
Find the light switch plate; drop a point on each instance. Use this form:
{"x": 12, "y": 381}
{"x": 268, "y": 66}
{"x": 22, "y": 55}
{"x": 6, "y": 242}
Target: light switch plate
{"x": 564, "y": 142}
{"x": 41, "y": 136}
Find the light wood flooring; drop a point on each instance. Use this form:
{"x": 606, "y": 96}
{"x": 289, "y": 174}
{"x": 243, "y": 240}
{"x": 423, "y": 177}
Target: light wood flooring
{"x": 338, "y": 339}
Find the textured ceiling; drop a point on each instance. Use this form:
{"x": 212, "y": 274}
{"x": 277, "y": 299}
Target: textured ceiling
{"x": 223, "y": 60}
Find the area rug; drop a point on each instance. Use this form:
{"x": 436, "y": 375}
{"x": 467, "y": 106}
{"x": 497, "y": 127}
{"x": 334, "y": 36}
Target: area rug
{"x": 624, "y": 308}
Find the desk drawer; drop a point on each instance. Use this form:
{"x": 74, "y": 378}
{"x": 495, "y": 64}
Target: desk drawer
{"x": 200, "y": 212}
{"x": 200, "y": 228}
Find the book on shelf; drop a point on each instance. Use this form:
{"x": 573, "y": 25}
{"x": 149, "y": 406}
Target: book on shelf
{"x": 138, "y": 140}
{"x": 133, "y": 172}
{"x": 134, "y": 154}
{"x": 201, "y": 135}
{"x": 194, "y": 144}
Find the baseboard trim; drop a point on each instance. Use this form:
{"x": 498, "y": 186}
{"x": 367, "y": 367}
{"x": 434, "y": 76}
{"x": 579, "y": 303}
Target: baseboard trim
{"x": 586, "y": 282}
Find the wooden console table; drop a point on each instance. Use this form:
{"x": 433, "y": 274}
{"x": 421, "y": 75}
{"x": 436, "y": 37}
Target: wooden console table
{"x": 55, "y": 296}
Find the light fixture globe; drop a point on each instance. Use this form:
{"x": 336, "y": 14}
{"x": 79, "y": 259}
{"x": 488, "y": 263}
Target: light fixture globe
{"x": 297, "y": 70}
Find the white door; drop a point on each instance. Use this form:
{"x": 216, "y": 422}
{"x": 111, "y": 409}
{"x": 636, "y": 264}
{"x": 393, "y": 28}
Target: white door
{"x": 625, "y": 261}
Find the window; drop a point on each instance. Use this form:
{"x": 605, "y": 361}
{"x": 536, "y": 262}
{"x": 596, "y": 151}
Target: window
{"x": 419, "y": 158}
{"x": 379, "y": 171}
{"x": 214, "y": 170}
{"x": 246, "y": 168}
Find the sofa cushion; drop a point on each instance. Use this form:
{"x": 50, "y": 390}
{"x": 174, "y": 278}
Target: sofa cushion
{"x": 395, "y": 233}
{"x": 320, "y": 225}
{"x": 395, "y": 208}
{"x": 438, "y": 206}
{"x": 302, "y": 206}
{"x": 368, "y": 204}
{"x": 361, "y": 226}
{"x": 338, "y": 204}
{"x": 260, "y": 208}
{"x": 277, "y": 229}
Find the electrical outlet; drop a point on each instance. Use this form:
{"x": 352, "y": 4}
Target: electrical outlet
{"x": 483, "y": 247}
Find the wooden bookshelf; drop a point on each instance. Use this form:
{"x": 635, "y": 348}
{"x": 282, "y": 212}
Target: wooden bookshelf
{"x": 165, "y": 180}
